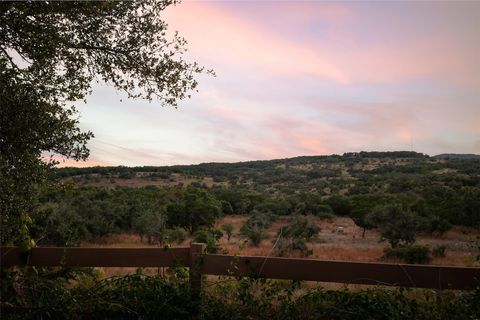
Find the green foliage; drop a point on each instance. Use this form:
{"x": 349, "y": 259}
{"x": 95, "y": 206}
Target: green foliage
{"x": 151, "y": 225}
{"x": 437, "y": 201}
{"x": 439, "y": 250}
{"x": 340, "y": 205}
{"x": 396, "y": 225}
{"x": 255, "y": 234}
{"x": 210, "y": 238}
{"x": 155, "y": 297}
{"x": 412, "y": 254}
{"x": 295, "y": 236}
{"x": 50, "y": 54}
{"x": 69, "y": 216}
{"x": 324, "y": 211}
{"x": 226, "y": 207}
{"x": 129, "y": 297}
{"x": 439, "y": 192}
{"x": 254, "y": 227}
{"x": 193, "y": 208}
{"x": 228, "y": 228}
{"x": 176, "y": 235}
{"x": 29, "y": 125}
{"x": 69, "y": 45}
{"x": 258, "y": 219}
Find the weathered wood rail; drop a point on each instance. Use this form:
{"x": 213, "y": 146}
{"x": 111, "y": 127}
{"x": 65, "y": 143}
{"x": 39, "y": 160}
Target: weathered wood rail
{"x": 401, "y": 275}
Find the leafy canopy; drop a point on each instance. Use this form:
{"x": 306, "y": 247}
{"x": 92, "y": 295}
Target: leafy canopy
{"x": 61, "y": 47}
{"x": 51, "y": 52}
{"x": 193, "y": 209}
{"x": 396, "y": 225}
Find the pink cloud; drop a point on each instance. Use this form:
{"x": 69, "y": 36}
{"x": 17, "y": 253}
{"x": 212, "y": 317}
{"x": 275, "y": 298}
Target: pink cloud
{"x": 440, "y": 59}
{"x": 224, "y": 37}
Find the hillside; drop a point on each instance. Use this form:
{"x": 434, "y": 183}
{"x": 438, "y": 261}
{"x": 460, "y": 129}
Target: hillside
{"x": 349, "y": 174}
{"x": 440, "y": 192}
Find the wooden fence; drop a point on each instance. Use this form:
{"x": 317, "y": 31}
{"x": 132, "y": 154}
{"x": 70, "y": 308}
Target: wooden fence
{"x": 401, "y": 275}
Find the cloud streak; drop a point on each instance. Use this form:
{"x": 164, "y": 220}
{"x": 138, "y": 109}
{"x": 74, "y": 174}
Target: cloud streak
{"x": 304, "y": 78}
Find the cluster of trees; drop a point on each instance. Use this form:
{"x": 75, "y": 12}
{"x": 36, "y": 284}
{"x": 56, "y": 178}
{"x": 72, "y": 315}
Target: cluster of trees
{"x": 444, "y": 191}
{"x": 50, "y": 54}
{"x": 71, "y": 214}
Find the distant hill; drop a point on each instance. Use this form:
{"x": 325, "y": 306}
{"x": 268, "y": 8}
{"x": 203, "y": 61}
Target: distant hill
{"x": 222, "y": 169}
{"x": 336, "y": 174}
{"x": 457, "y": 156}
{"x": 446, "y": 189}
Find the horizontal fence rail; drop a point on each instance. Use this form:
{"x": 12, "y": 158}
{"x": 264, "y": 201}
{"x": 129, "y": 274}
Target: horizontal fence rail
{"x": 96, "y": 257}
{"x": 401, "y": 275}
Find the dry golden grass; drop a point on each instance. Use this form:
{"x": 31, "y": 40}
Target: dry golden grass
{"x": 329, "y": 245}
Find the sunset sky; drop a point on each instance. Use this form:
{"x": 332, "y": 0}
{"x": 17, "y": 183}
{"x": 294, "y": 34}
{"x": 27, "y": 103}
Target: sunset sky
{"x": 305, "y": 78}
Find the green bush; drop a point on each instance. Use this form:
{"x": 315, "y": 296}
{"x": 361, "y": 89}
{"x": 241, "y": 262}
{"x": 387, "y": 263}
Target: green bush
{"x": 324, "y": 211}
{"x": 395, "y": 224}
{"x": 439, "y": 251}
{"x": 228, "y": 228}
{"x": 210, "y": 238}
{"x": 255, "y": 234}
{"x": 254, "y": 227}
{"x": 176, "y": 235}
{"x": 296, "y": 235}
{"x": 413, "y": 254}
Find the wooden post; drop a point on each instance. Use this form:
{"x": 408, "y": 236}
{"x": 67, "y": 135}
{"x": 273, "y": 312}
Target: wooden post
{"x": 196, "y": 250}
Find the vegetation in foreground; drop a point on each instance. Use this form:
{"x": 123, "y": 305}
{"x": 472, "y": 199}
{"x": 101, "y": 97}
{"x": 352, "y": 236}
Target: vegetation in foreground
{"x": 68, "y": 294}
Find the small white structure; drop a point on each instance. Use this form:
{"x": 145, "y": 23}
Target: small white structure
{"x": 340, "y": 230}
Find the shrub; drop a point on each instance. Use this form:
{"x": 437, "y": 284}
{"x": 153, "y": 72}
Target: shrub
{"x": 254, "y": 228}
{"x": 296, "y": 235}
{"x": 255, "y": 234}
{"x": 324, "y": 211}
{"x": 340, "y": 205}
{"x": 439, "y": 251}
{"x": 228, "y": 228}
{"x": 176, "y": 235}
{"x": 412, "y": 254}
{"x": 259, "y": 219}
{"x": 210, "y": 238}
{"x": 395, "y": 224}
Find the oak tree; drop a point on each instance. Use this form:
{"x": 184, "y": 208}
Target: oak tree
{"x": 51, "y": 52}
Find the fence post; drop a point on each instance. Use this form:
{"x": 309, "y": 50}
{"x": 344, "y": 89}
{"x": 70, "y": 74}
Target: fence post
{"x": 196, "y": 250}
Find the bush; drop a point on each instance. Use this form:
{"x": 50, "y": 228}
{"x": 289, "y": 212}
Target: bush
{"x": 176, "y": 235}
{"x": 258, "y": 219}
{"x": 228, "y": 228}
{"x": 340, "y": 205}
{"x": 439, "y": 251}
{"x": 296, "y": 235}
{"x": 324, "y": 211}
{"x": 255, "y": 234}
{"x": 413, "y": 254}
{"x": 210, "y": 238}
{"x": 395, "y": 224}
{"x": 254, "y": 228}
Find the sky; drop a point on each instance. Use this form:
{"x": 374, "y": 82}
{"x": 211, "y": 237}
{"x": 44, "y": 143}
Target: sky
{"x": 304, "y": 78}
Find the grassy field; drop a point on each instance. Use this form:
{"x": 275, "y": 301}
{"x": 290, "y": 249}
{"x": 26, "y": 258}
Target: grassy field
{"x": 329, "y": 244}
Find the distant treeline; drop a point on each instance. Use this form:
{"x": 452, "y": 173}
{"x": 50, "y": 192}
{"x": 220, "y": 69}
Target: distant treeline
{"x": 209, "y": 169}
